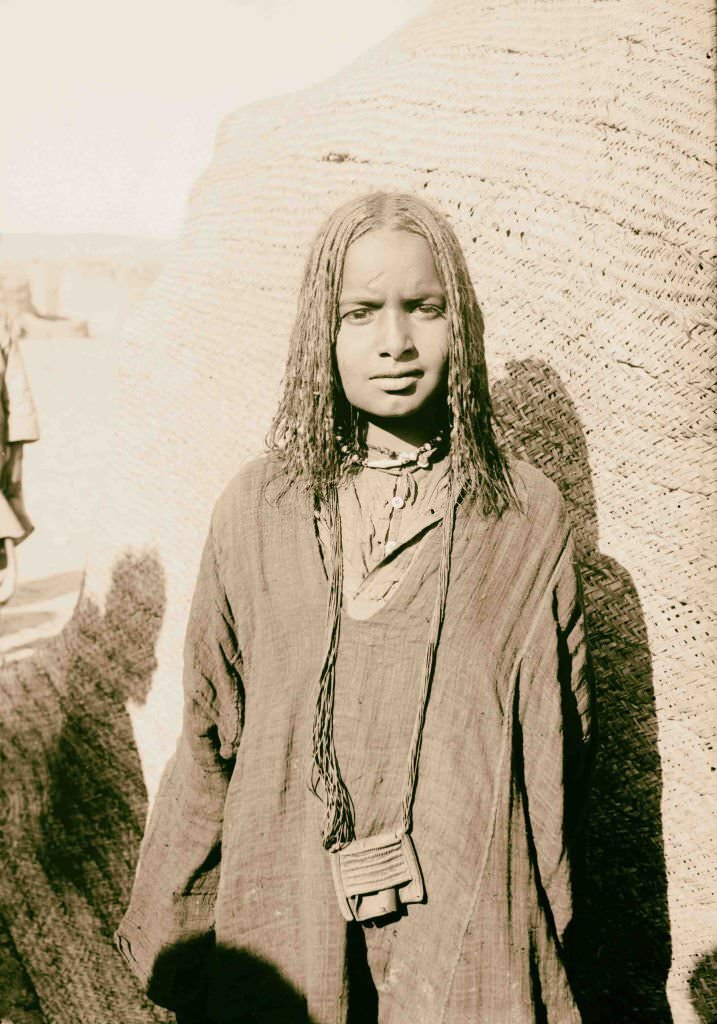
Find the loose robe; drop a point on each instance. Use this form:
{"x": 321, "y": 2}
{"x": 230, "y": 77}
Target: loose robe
{"x": 233, "y": 845}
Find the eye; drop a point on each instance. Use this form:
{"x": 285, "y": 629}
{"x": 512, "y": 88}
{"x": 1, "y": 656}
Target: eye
{"x": 428, "y": 310}
{"x": 361, "y": 315}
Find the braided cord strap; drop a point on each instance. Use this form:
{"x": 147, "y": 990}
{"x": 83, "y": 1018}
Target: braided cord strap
{"x": 339, "y": 822}
{"x": 444, "y": 570}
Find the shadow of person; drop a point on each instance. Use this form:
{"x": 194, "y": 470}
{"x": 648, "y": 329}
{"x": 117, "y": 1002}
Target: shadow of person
{"x": 618, "y": 947}
{"x": 703, "y": 988}
{"x": 244, "y": 988}
{"x": 94, "y": 815}
{"x": 210, "y": 983}
{"x": 73, "y": 797}
{"x": 223, "y": 985}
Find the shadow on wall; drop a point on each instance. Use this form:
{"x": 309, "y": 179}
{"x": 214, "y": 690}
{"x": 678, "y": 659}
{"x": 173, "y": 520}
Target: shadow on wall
{"x": 74, "y": 801}
{"x": 245, "y": 989}
{"x": 619, "y": 947}
{"x": 252, "y": 990}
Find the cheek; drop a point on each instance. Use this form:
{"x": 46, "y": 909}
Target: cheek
{"x": 439, "y": 351}
{"x": 340, "y": 355}
{"x": 346, "y": 363}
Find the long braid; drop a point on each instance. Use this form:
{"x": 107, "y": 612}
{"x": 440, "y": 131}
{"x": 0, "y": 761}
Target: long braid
{"x": 434, "y": 636}
{"x": 339, "y": 823}
{"x": 313, "y": 411}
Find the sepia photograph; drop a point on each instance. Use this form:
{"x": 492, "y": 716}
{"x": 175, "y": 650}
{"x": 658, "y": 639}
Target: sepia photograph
{"x": 357, "y": 512}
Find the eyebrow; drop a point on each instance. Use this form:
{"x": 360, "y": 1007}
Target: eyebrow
{"x": 361, "y": 299}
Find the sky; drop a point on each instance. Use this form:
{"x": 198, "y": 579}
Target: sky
{"x": 110, "y": 109}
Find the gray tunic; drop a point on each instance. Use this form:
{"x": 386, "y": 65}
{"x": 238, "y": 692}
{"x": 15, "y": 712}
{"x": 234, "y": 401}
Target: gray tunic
{"x": 233, "y": 844}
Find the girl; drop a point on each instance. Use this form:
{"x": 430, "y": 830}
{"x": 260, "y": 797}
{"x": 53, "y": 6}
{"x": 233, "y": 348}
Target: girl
{"x": 385, "y": 690}
{"x": 19, "y": 427}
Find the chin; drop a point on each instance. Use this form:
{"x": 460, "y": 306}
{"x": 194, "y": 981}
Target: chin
{"x": 396, "y": 408}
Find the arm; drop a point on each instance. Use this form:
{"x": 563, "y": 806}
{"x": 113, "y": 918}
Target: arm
{"x": 168, "y": 927}
{"x": 557, "y": 728}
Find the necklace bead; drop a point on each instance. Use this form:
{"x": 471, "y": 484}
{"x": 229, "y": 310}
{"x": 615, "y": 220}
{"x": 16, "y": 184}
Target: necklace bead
{"x": 377, "y": 457}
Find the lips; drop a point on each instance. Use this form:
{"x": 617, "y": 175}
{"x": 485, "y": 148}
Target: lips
{"x": 396, "y": 380}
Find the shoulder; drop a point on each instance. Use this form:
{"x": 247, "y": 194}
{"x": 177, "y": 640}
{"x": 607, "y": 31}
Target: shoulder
{"x": 539, "y": 499}
{"x": 253, "y": 489}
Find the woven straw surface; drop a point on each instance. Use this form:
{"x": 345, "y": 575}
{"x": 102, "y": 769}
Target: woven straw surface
{"x": 571, "y": 145}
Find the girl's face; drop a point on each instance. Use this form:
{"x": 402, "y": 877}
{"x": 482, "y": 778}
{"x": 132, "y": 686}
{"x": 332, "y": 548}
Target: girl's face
{"x": 392, "y": 344}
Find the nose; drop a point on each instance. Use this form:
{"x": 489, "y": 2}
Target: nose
{"x": 396, "y": 337}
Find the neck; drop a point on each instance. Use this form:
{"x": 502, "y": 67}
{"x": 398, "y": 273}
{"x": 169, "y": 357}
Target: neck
{"x": 403, "y": 434}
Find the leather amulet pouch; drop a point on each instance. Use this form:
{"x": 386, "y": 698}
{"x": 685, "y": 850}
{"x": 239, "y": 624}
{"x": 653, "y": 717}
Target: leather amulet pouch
{"x": 373, "y": 877}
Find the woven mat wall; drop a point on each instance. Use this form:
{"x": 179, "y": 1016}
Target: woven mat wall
{"x": 571, "y": 145}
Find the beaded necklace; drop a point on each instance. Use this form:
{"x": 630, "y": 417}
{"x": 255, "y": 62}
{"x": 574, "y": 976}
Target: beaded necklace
{"x": 355, "y": 454}
{"x": 386, "y": 458}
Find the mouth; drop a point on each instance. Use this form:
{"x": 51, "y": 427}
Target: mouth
{"x": 398, "y": 380}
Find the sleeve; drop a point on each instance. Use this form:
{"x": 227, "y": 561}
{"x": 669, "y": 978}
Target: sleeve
{"x": 19, "y": 407}
{"x": 557, "y": 728}
{"x": 167, "y": 930}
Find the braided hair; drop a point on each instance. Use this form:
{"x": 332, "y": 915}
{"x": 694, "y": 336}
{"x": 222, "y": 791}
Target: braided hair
{"x": 314, "y": 414}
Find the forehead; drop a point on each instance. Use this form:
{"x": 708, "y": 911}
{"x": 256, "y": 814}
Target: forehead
{"x": 390, "y": 257}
